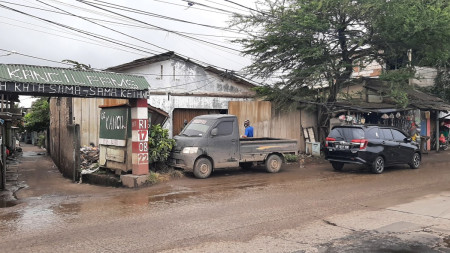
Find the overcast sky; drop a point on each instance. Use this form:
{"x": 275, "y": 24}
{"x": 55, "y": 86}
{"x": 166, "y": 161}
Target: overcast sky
{"x": 41, "y": 40}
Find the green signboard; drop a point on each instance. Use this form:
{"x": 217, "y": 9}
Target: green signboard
{"x": 114, "y": 126}
{"x": 37, "y": 80}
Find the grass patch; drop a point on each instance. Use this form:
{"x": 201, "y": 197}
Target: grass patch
{"x": 163, "y": 173}
{"x": 291, "y": 158}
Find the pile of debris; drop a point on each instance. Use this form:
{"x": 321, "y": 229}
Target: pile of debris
{"x": 89, "y": 157}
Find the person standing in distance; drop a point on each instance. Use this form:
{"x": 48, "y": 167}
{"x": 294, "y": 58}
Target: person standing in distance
{"x": 248, "y": 129}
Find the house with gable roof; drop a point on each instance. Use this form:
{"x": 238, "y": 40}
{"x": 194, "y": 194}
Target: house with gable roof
{"x": 185, "y": 88}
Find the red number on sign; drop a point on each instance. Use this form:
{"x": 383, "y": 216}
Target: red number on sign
{"x": 142, "y": 158}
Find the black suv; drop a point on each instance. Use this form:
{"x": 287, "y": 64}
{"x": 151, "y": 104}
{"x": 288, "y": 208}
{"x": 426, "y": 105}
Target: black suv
{"x": 376, "y": 146}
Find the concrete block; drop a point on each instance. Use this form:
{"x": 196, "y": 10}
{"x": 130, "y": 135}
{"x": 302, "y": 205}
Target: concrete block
{"x": 133, "y": 181}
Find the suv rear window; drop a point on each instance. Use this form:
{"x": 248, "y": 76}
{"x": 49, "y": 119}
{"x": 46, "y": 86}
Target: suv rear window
{"x": 346, "y": 133}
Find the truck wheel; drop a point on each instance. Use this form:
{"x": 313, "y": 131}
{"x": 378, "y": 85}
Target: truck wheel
{"x": 246, "y": 165}
{"x": 337, "y": 165}
{"x": 202, "y": 168}
{"x": 378, "y": 165}
{"x": 273, "y": 163}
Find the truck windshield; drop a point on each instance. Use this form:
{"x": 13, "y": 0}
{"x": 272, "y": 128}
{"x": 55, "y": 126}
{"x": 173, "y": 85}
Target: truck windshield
{"x": 197, "y": 127}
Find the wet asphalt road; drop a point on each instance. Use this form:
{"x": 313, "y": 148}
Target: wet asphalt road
{"x": 232, "y": 207}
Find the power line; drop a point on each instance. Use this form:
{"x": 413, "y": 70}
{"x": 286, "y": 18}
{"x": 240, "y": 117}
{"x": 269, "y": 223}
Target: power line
{"x": 133, "y": 10}
{"x": 223, "y": 4}
{"x": 84, "y": 32}
{"x": 184, "y": 6}
{"x": 95, "y": 35}
{"x": 164, "y": 29}
{"x": 129, "y": 36}
{"x": 190, "y": 3}
{"x": 246, "y": 7}
{"x": 125, "y": 24}
{"x": 61, "y": 36}
{"x": 35, "y": 57}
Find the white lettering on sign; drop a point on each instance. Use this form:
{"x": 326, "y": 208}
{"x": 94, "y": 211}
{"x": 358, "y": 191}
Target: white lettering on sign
{"x": 114, "y": 122}
{"x": 143, "y": 146}
{"x": 70, "y": 90}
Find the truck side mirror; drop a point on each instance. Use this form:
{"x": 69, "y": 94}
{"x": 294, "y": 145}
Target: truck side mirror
{"x": 214, "y": 132}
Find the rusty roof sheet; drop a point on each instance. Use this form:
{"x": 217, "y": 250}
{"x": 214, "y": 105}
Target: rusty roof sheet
{"x": 417, "y": 98}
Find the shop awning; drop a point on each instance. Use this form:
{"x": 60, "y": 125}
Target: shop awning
{"x": 50, "y": 81}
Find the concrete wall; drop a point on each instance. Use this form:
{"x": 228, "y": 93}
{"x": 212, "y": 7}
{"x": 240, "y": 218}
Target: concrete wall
{"x": 64, "y": 144}
{"x": 425, "y": 77}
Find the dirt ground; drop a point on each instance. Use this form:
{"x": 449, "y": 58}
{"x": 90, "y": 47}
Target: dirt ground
{"x": 306, "y": 207}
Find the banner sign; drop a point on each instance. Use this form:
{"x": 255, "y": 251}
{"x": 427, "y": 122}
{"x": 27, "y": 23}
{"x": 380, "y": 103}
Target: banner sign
{"x": 38, "y": 80}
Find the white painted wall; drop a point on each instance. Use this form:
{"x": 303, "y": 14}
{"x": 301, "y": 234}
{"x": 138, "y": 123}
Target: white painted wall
{"x": 178, "y": 76}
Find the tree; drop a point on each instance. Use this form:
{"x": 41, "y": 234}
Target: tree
{"x": 313, "y": 45}
{"x": 77, "y": 65}
{"x": 38, "y": 118}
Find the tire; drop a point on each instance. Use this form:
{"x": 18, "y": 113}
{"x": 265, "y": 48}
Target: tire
{"x": 337, "y": 165}
{"x": 246, "y": 165}
{"x": 202, "y": 168}
{"x": 378, "y": 165}
{"x": 415, "y": 163}
{"x": 273, "y": 163}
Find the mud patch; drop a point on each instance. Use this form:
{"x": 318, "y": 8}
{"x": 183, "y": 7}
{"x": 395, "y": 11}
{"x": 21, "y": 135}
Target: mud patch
{"x": 7, "y": 203}
{"x": 447, "y": 241}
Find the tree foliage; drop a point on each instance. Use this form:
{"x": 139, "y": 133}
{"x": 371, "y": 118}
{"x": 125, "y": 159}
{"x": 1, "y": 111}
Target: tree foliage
{"x": 311, "y": 44}
{"x": 38, "y": 119}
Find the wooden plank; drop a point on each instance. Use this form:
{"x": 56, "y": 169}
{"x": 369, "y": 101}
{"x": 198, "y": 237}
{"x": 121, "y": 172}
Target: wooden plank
{"x": 84, "y": 126}
{"x": 115, "y": 154}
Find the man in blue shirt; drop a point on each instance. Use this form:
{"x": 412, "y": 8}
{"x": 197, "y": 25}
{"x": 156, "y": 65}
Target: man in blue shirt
{"x": 248, "y": 129}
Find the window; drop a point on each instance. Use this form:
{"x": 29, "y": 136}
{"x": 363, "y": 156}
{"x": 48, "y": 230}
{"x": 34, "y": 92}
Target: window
{"x": 387, "y": 134}
{"x": 373, "y": 134}
{"x": 197, "y": 127}
{"x": 398, "y": 136}
{"x": 225, "y": 128}
{"x": 346, "y": 133}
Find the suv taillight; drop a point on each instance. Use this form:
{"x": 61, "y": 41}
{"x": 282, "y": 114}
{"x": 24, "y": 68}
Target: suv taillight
{"x": 362, "y": 143}
{"x": 328, "y": 139}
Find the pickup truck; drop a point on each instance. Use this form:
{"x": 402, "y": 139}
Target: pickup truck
{"x": 212, "y": 142}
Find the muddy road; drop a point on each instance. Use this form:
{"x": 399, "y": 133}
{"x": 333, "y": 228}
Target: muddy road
{"x": 294, "y": 210}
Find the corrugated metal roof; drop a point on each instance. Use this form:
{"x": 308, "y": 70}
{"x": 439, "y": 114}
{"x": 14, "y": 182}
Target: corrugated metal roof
{"x": 417, "y": 98}
{"x": 63, "y": 76}
{"x": 173, "y": 55}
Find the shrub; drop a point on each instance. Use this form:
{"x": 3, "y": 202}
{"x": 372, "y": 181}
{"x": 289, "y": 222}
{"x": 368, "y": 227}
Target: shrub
{"x": 159, "y": 144}
{"x": 41, "y": 141}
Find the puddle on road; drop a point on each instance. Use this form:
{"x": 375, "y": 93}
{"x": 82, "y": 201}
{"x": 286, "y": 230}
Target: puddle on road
{"x": 33, "y": 154}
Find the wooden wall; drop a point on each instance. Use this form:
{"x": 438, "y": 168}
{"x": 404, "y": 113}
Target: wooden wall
{"x": 64, "y": 138}
{"x": 268, "y": 122}
{"x": 179, "y": 115}
{"x": 86, "y": 113}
